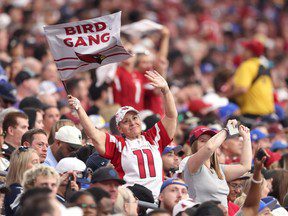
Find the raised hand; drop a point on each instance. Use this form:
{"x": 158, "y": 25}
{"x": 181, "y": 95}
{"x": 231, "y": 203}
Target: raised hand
{"x": 157, "y": 80}
{"x": 73, "y": 102}
{"x": 244, "y": 132}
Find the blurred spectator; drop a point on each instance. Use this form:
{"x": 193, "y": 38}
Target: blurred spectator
{"x": 253, "y": 91}
{"x": 27, "y": 84}
{"x": 50, "y": 117}
{"x": 35, "y": 118}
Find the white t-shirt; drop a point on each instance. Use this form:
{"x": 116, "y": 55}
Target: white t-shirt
{"x": 204, "y": 185}
{"x": 139, "y": 160}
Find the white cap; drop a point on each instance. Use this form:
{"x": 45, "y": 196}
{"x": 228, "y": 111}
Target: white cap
{"x": 182, "y": 205}
{"x": 70, "y": 164}
{"x": 47, "y": 87}
{"x": 122, "y": 112}
{"x": 69, "y": 134}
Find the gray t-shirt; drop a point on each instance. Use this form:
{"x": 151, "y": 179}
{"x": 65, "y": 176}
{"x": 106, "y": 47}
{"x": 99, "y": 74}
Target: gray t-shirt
{"x": 204, "y": 185}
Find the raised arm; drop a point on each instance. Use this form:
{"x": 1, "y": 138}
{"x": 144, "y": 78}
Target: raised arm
{"x": 98, "y": 137}
{"x": 170, "y": 119}
{"x": 205, "y": 152}
{"x": 234, "y": 171}
{"x": 252, "y": 201}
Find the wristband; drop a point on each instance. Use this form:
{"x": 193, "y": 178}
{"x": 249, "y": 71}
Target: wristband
{"x": 76, "y": 104}
{"x": 256, "y": 182}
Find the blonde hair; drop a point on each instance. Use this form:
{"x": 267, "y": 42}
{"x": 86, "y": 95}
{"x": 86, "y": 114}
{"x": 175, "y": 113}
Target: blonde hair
{"x": 124, "y": 196}
{"x": 213, "y": 160}
{"x": 30, "y": 176}
{"x": 56, "y": 127}
{"x": 19, "y": 161}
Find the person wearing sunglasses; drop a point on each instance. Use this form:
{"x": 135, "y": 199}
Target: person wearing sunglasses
{"x": 85, "y": 201}
{"x": 68, "y": 139}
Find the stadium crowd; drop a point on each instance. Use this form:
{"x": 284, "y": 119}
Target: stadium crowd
{"x": 194, "y": 123}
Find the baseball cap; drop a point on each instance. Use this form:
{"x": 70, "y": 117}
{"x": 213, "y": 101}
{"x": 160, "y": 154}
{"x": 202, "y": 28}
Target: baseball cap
{"x": 278, "y": 145}
{"x": 198, "y": 131}
{"x": 31, "y": 102}
{"x": 106, "y": 173}
{"x": 168, "y": 149}
{"x": 122, "y": 112}
{"x": 7, "y": 91}
{"x": 69, "y": 134}
{"x": 197, "y": 105}
{"x": 22, "y": 76}
{"x": 95, "y": 161}
{"x": 269, "y": 202}
{"x": 226, "y": 111}
{"x": 142, "y": 193}
{"x": 255, "y": 46}
{"x": 70, "y": 164}
{"x": 257, "y": 135}
{"x": 184, "y": 204}
{"x": 273, "y": 157}
{"x": 170, "y": 181}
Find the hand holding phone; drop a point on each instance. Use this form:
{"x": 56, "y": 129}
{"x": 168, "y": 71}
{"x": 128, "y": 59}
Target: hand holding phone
{"x": 232, "y": 127}
{"x": 261, "y": 153}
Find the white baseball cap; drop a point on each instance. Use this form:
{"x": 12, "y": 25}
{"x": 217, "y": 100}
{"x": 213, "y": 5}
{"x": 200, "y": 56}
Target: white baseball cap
{"x": 70, "y": 164}
{"x": 184, "y": 204}
{"x": 70, "y": 135}
{"x": 122, "y": 112}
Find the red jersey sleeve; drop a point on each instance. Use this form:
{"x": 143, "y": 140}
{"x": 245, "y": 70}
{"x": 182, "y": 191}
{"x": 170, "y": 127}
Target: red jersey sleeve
{"x": 157, "y": 135}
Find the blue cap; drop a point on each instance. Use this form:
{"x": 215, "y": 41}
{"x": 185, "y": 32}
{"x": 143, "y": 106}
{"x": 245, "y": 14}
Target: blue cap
{"x": 170, "y": 181}
{"x": 278, "y": 145}
{"x": 269, "y": 202}
{"x": 257, "y": 135}
{"x": 95, "y": 161}
{"x": 7, "y": 91}
{"x": 207, "y": 67}
{"x": 227, "y": 111}
{"x": 168, "y": 149}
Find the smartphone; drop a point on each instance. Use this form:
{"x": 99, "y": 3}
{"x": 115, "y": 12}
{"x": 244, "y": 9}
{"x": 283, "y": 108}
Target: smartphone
{"x": 233, "y": 130}
{"x": 261, "y": 153}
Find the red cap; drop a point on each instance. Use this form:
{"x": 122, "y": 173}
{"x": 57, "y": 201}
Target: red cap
{"x": 273, "y": 157}
{"x": 255, "y": 46}
{"x": 197, "y": 105}
{"x": 198, "y": 131}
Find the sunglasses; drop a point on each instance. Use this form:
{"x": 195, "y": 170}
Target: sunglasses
{"x": 22, "y": 149}
{"x": 84, "y": 205}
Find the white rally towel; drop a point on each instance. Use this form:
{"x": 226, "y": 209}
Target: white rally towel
{"x": 87, "y": 44}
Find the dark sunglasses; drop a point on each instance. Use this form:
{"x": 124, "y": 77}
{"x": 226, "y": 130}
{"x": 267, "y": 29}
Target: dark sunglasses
{"x": 23, "y": 149}
{"x": 84, "y": 205}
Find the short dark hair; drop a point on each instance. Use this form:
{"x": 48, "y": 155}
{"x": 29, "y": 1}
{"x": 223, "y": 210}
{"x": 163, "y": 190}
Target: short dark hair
{"x": 209, "y": 208}
{"x": 78, "y": 194}
{"x": 158, "y": 211}
{"x": 73, "y": 84}
{"x": 10, "y": 120}
{"x": 98, "y": 194}
{"x": 28, "y": 136}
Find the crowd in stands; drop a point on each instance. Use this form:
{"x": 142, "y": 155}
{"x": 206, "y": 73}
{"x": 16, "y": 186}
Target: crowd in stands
{"x": 193, "y": 123}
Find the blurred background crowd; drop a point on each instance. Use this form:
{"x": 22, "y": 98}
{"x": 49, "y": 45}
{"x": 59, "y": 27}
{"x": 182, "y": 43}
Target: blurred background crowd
{"x": 222, "y": 60}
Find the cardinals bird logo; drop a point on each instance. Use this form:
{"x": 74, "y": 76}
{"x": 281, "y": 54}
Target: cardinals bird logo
{"x": 91, "y": 58}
